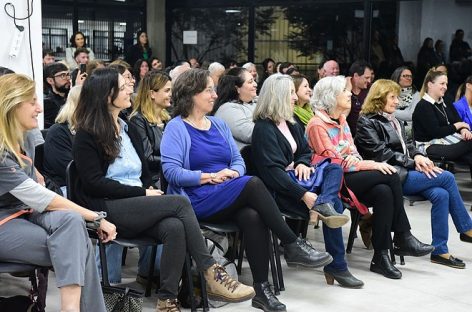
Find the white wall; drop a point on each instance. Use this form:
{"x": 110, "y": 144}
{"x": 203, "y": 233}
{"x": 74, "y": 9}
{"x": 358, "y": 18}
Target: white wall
{"x": 22, "y": 63}
{"x": 437, "y": 19}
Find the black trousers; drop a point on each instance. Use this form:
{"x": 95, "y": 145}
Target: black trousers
{"x": 169, "y": 219}
{"x": 255, "y": 211}
{"x": 458, "y": 151}
{"x": 384, "y": 193}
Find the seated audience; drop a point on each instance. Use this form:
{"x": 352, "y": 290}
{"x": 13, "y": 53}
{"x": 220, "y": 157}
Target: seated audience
{"x": 278, "y": 144}
{"x": 114, "y": 176}
{"x": 380, "y": 137}
{"x": 459, "y": 50}
{"x": 77, "y": 41}
{"x": 155, "y": 63}
{"x": 251, "y": 68}
{"x": 48, "y": 57}
{"x": 302, "y": 112}
{"x": 58, "y": 143}
{"x": 150, "y": 116}
{"x": 58, "y": 80}
{"x": 463, "y": 104}
{"x": 139, "y": 51}
{"x": 141, "y": 67}
{"x": 268, "y": 65}
{"x": 236, "y": 103}
{"x": 374, "y": 183}
{"x": 216, "y": 70}
{"x": 408, "y": 97}
{"x": 438, "y": 130}
{"x": 40, "y": 227}
{"x": 200, "y": 160}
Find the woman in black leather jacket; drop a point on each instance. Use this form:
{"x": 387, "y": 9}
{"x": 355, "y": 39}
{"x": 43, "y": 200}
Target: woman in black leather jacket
{"x": 149, "y": 116}
{"x": 380, "y": 137}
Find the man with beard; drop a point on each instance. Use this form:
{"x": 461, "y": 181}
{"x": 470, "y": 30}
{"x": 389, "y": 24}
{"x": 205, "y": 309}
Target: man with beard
{"x": 57, "y": 77}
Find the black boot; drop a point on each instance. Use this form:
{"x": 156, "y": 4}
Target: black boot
{"x": 266, "y": 300}
{"x": 301, "y": 253}
{"x": 405, "y": 244}
{"x": 381, "y": 264}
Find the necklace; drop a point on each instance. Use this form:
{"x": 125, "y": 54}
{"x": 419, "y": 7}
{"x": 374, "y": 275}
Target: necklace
{"x": 442, "y": 111}
{"x": 204, "y": 127}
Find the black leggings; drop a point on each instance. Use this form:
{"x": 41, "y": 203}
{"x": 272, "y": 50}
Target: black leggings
{"x": 384, "y": 193}
{"x": 255, "y": 211}
{"x": 458, "y": 151}
{"x": 169, "y": 219}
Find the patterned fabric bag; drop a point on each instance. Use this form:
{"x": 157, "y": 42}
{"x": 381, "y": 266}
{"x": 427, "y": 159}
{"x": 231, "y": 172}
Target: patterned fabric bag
{"x": 118, "y": 299}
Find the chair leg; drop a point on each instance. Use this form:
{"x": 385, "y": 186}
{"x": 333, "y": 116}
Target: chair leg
{"x": 150, "y": 276}
{"x": 188, "y": 272}
{"x": 273, "y": 269}
{"x": 206, "y": 306}
{"x": 123, "y": 257}
{"x": 402, "y": 260}
{"x": 280, "y": 275}
{"x": 412, "y": 202}
{"x": 103, "y": 263}
{"x": 240, "y": 254}
{"x": 355, "y": 218}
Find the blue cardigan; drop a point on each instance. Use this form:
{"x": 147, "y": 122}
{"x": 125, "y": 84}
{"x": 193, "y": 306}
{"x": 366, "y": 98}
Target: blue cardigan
{"x": 463, "y": 110}
{"x": 175, "y": 150}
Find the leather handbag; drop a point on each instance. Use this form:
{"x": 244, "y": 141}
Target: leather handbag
{"x": 313, "y": 184}
{"x": 119, "y": 299}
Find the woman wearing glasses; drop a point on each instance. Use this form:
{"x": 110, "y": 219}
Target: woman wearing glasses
{"x": 408, "y": 97}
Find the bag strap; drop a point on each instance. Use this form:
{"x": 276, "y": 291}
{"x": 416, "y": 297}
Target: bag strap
{"x": 353, "y": 201}
{"x": 15, "y": 215}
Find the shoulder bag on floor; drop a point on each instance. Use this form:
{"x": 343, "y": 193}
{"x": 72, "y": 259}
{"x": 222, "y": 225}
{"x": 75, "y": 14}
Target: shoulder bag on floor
{"x": 119, "y": 299}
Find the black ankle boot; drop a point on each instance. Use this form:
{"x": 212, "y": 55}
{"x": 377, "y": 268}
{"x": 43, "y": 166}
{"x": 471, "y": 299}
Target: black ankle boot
{"x": 405, "y": 244}
{"x": 301, "y": 253}
{"x": 381, "y": 264}
{"x": 266, "y": 300}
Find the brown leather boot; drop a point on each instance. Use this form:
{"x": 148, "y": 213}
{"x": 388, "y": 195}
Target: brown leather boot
{"x": 222, "y": 287}
{"x": 365, "y": 227}
{"x": 168, "y": 305}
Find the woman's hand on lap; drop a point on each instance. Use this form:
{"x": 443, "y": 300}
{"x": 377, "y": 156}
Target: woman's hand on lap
{"x": 303, "y": 172}
{"x": 107, "y": 231}
{"x": 385, "y": 168}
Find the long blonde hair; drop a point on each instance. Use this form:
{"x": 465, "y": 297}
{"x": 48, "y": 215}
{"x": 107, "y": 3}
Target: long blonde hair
{"x": 14, "y": 90}
{"x": 153, "y": 80}
{"x": 67, "y": 111}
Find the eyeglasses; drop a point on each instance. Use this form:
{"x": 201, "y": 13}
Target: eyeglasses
{"x": 211, "y": 89}
{"x": 407, "y": 76}
{"x": 63, "y": 76}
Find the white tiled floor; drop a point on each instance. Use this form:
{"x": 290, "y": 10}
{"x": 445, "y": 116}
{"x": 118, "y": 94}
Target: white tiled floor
{"x": 424, "y": 286}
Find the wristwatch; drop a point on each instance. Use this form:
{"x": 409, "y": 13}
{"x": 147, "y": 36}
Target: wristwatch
{"x": 213, "y": 175}
{"x": 95, "y": 224}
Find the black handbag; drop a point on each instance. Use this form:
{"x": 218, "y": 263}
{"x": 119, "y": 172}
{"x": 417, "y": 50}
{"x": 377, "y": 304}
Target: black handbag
{"x": 119, "y": 299}
{"x": 18, "y": 304}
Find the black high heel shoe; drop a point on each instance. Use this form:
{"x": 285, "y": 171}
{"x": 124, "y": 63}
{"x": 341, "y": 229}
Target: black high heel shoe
{"x": 382, "y": 264}
{"x": 344, "y": 278}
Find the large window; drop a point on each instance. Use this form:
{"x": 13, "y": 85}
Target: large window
{"x": 109, "y": 26}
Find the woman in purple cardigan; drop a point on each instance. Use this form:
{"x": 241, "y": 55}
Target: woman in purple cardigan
{"x": 201, "y": 161}
{"x": 464, "y": 104}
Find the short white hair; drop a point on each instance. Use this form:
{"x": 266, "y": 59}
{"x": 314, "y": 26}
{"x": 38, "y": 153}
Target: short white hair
{"x": 215, "y": 67}
{"x": 248, "y": 65}
{"x": 325, "y": 92}
{"x": 274, "y": 99}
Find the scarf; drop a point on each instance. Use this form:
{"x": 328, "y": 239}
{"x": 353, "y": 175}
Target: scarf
{"x": 406, "y": 97}
{"x": 304, "y": 113}
{"x": 398, "y": 129}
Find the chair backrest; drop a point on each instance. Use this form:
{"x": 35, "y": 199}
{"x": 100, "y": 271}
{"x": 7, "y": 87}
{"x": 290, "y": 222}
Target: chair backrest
{"x": 246, "y": 154}
{"x": 39, "y": 157}
{"x": 71, "y": 180}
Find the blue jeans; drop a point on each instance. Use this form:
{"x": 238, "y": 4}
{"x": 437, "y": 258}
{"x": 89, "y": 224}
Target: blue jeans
{"x": 332, "y": 177}
{"x": 114, "y": 255}
{"x": 442, "y": 192}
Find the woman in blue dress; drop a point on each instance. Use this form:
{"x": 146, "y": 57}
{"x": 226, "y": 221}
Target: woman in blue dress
{"x": 201, "y": 161}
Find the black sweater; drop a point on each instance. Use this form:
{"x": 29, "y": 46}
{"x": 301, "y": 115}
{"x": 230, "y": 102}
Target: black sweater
{"x": 429, "y": 122}
{"x": 93, "y": 187}
{"x": 272, "y": 153}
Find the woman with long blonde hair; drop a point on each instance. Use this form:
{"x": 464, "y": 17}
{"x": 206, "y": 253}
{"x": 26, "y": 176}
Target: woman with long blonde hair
{"x": 38, "y": 226}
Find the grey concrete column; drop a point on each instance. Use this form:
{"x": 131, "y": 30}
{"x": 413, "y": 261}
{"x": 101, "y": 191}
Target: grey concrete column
{"x": 155, "y": 26}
